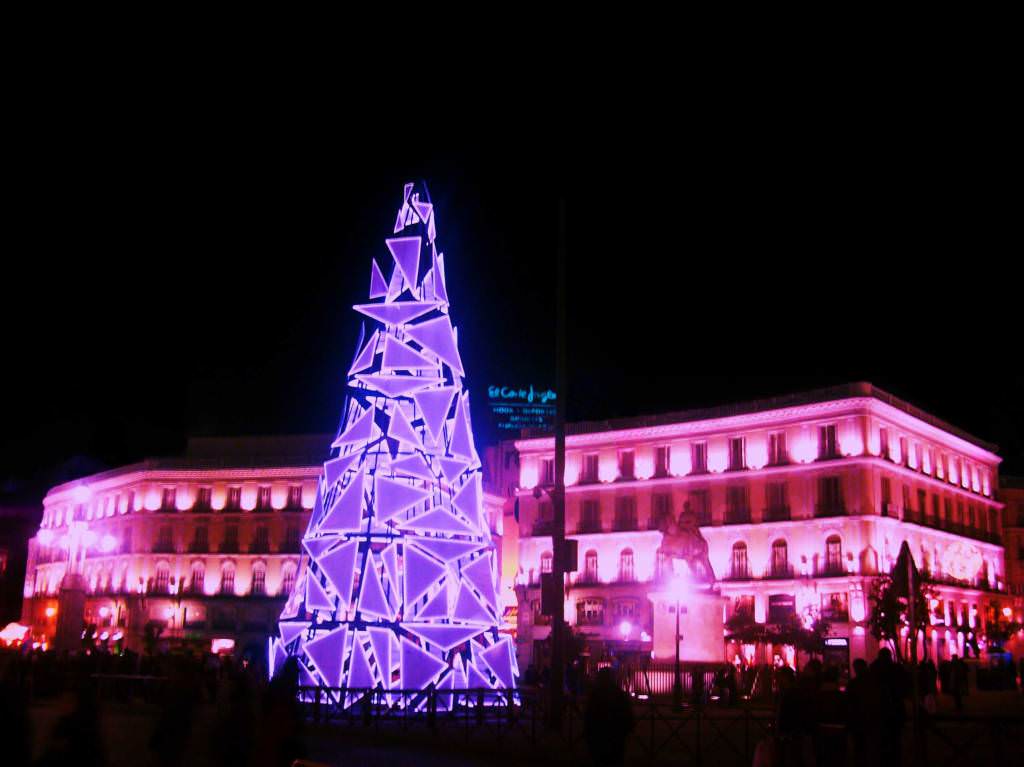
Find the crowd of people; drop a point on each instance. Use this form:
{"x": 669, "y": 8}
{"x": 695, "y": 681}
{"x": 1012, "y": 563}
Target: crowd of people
{"x": 249, "y": 721}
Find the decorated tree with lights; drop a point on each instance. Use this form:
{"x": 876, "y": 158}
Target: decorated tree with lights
{"x": 398, "y": 585}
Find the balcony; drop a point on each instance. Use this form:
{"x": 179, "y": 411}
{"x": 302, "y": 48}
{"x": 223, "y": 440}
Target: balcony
{"x": 625, "y": 524}
{"x": 259, "y": 547}
{"x": 163, "y": 547}
{"x": 737, "y": 517}
{"x": 199, "y": 547}
{"x": 290, "y": 547}
{"x": 780, "y": 572}
{"x": 543, "y": 527}
{"x": 228, "y": 547}
{"x": 738, "y": 574}
{"x": 777, "y": 514}
{"x": 830, "y": 570}
{"x": 589, "y": 526}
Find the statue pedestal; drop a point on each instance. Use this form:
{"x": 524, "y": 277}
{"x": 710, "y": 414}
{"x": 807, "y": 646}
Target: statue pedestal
{"x": 70, "y": 612}
{"x": 700, "y": 624}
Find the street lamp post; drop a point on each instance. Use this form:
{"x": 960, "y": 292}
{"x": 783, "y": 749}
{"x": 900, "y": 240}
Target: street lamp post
{"x": 677, "y": 681}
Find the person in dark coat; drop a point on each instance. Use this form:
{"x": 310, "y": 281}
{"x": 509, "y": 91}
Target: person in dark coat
{"x": 861, "y": 712}
{"x": 890, "y": 680}
{"x": 608, "y": 720}
{"x": 958, "y": 681}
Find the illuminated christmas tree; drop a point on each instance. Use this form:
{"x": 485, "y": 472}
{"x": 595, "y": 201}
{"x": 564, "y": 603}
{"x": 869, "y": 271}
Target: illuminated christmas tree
{"x": 398, "y": 586}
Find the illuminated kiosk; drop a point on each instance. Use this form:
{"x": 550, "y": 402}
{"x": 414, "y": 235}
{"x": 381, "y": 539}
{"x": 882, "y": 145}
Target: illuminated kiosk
{"x": 688, "y": 610}
{"x": 398, "y": 584}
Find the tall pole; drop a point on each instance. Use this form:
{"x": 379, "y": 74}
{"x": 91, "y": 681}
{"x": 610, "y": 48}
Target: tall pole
{"x": 677, "y": 679}
{"x": 558, "y": 496}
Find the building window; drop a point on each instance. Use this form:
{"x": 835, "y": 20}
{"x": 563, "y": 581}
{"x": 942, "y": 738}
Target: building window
{"x": 781, "y": 608}
{"x": 780, "y": 560}
{"x": 288, "y": 579}
{"x": 230, "y": 542}
{"x": 295, "y": 497}
{"x": 164, "y": 542}
{"x": 737, "y": 450}
{"x": 263, "y": 498}
{"x": 830, "y": 497}
{"x": 590, "y": 517}
{"x": 743, "y": 605}
{"x": 777, "y": 502}
{"x": 590, "y": 567}
{"x": 700, "y": 504}
{"x": 904, "y": 451}
{"x": 259, "y": 579}
{"x": 547, "y": 471}
{"x": 590, "y": 612}
{"x": 261, "y": 540}
{"x": 887, "y": 497}
{"x": 699, "y": 458}
{"x": 234, "y": 502}
{"x": 936, "y": 511}
{"x": 625, "y": 513}
{"x": 203, "y": 498}
{"x": 163, "y": 579}
{"x": 834, "y": 555}
{"x": 627, "y": 572}
{"x": 292, "y": 540}
{"x": 198, "y": 578}
{"x": 834, "y": 607}
{"x": 828, "y": 447}
{"x": 626, "y": 464}
{"x": 625, "y": 609}
{"x": 545, "y": 562}
{"x": 200, "y": 540}
{"x": 167, "y": 503}
{"x": 883, "y": 443}
{"x": 126, "y": 540}
{"x": 739, "y": 561}
{"x": 590, "y": 467}
{"x": 777, "y": 455}
{"x": 227, "y": 580}
{"x": 922, "y": 504}
{"x": 662, "y": 460}
{"x": 737, "y": 505}
{"x": 661, "y": 507}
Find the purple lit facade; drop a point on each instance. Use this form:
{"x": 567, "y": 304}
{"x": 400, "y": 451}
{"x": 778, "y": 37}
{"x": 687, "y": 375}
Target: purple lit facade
{"x": 399, "y": 588}
{"x": 803, "y": 500}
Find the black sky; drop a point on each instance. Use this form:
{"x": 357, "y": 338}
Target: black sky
{"x": 192, "y": 271}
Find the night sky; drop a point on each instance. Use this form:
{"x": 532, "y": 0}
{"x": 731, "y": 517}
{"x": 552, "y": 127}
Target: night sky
{"x": 197, "y": 279}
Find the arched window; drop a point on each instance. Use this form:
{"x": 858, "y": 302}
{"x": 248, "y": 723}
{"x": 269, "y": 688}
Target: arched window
{"x": 780, "y": 559}
{"x": 287, "y": 578}
{"x": 834, "y": 555}
{"x": 590, "y": 566}
{"x": 627, "y": 572}
{"x": 163, "y": 578}
{"x": 259, "y": 578}
{"x": 227, "y": 578}
{"x": 739, "y": 560}
{"x": 195, "y": 585}
{"x": 545, "y": 562}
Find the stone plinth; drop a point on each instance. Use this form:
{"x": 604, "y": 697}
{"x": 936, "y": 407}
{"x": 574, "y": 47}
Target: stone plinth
{"x": 700, "y": 624}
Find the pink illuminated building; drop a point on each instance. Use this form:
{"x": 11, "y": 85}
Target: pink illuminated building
{"x": 206, "y": 547}
{"x": 803, "y": 501}
{"x": 202, "y": 547}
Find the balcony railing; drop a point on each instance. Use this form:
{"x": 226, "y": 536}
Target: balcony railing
{"x": 543, "y": 527}
{"x": 777, "y": 514}
{"x": 228, "y": 547}
{"x": 738, "y": 574}
{"x": 625, "y": 524}
{"x": 737, "y": 517}
{"x": 259, "y": 547}
{"x": 163, "y": 547}
{"x": 587, "y": 526}
{"x": 199, "y": 547}
{"x": 780, "y": 572}
{"x": 830, "y": 570}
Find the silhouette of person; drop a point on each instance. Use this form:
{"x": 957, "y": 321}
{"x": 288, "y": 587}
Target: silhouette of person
{"x": 958, "y": 681}
{"x": 890, "y": 680}
{"x": 280, "y": 719}
{"x": 76, "y": 738}
{"x": 608, "y": 720}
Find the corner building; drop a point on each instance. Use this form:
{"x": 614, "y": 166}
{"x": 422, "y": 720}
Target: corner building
{"x": 803, "y": 500}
